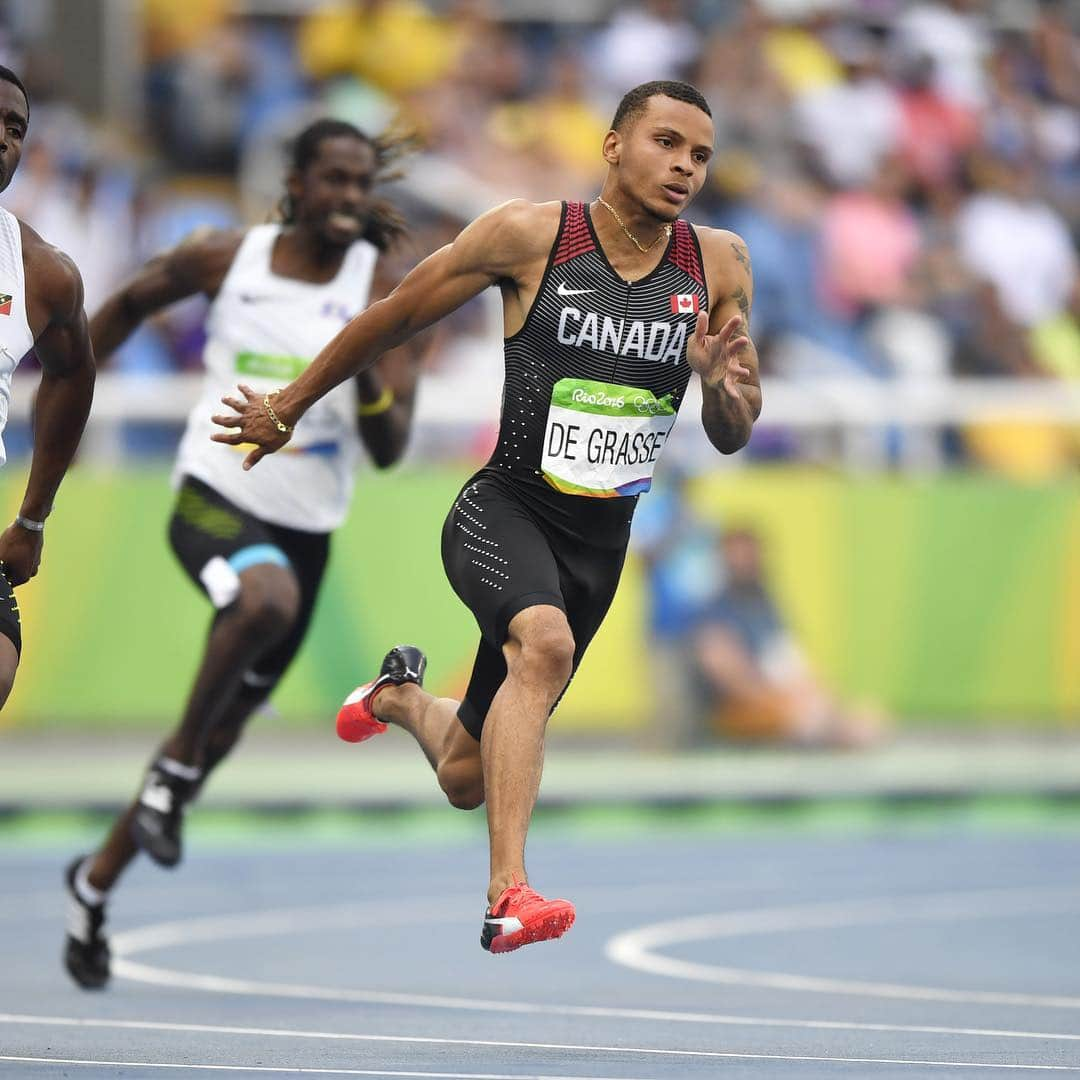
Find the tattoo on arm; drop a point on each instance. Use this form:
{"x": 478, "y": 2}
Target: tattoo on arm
{"x": 742, "y": 254}
{"x": 740, "y": 298}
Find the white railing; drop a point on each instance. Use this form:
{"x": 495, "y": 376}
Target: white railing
{"x": 803, "y": 404}
{"x": 854, "y": 413}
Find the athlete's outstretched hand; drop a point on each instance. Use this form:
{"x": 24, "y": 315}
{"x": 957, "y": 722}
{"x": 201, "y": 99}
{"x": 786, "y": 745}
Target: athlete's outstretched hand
{"x": 715, "y": 357}
{"x": 254, "y": 423}
{"x": 20, "y": 553}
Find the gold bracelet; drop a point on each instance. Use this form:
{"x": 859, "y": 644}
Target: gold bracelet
{"x": 283, "y": 428}
{"x": 384, "y": 401}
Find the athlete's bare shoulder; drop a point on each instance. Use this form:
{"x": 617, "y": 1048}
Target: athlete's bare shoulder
{"x": 521, "y": 220}
{"x": 54, "y": 288}
{"x": 514, "y": 236}
{"x": 722, "y": 247}
{"x": 210, "y": 241}
{"x": 727, "y": 262}
{"x": 202, "y": 259}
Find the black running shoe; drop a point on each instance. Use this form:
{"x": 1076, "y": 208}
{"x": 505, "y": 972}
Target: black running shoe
{"x": 86, "y": 951}
{"x": 158, "y": 818}
{"x": 356, "y": 721}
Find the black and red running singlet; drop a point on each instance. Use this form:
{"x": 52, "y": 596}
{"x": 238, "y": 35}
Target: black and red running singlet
{"x": 595, "y": 378}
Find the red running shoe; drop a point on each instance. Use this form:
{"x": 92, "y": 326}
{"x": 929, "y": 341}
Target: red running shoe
{"x": 356, "y": 720}
{"x": 521, "y": 916}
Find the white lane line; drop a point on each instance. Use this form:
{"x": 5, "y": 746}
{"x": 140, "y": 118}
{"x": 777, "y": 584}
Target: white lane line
{"x": 218, "y": 984}
{"x": 305, "y": 1070}
{"x": 300, "y": 919}
{"x": 531, "y": 1076}
{"x": 359, "y": 913}
{"x": 291, "y": 1033}
{"x": 637, "y": 948}
{"x": 375, "y": 913}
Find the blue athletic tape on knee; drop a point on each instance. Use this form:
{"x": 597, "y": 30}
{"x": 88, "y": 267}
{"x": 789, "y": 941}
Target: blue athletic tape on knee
{"x": 258, "y": 553}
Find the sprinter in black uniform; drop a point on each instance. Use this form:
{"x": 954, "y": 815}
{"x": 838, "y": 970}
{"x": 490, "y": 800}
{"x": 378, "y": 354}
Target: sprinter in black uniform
{"x": 607, "y": 310}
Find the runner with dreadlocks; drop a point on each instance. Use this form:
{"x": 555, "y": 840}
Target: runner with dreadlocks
{"x": 257, "y": 545}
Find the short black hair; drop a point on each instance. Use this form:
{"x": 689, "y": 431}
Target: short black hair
{"x": 634, "y": 101}
{"x": 385, "y": 223}
{"x": 9, "y": 76}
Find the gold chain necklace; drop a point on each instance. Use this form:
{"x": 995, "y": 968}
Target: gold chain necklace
{"x": 665, "y": 232}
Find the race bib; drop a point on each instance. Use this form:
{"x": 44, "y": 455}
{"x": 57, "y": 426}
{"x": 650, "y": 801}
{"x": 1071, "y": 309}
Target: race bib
{"x": 604, "y": 440}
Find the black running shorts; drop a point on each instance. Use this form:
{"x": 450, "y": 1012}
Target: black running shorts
{"x": 502, "y": 557}
{"x": 215, "y": 540}
{"x": 10, "y": 624}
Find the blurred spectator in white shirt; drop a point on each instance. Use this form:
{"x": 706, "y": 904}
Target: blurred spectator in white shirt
{"x": 954, "y": 36}
{"x": 645, "y": 41}
{"x": 1017, "y": 242}
{"x": 852, "y": 124}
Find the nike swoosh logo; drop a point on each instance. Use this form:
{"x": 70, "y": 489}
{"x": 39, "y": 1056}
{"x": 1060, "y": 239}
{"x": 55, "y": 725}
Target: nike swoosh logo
{"x": 562, "y": 290}
{"x": 507, "y": 923}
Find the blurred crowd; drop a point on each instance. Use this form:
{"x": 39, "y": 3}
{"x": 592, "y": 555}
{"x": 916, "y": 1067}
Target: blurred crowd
{"x": 906, "y": 174}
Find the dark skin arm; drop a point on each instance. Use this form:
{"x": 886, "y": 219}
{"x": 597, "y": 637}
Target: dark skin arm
{"x": 721, "y": 351}
{"x": 385, "y": 433}
{"x": 197, "y": 265}
{"x": 54, "y": 295}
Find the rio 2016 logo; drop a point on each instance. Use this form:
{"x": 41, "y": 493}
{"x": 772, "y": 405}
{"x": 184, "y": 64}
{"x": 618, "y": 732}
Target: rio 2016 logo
{"x": 583, "y": 397}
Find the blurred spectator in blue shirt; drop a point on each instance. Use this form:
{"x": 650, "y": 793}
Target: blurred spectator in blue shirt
{"x": 760, "y": 684}
{"x": 677, "y": 551}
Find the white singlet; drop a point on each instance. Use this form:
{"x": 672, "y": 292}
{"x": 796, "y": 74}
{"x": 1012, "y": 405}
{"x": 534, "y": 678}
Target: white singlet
{"x": 264, "y": 330}
{"x": 16, "y": 338}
